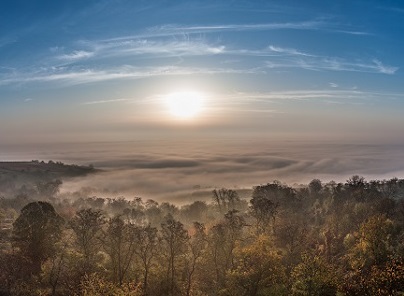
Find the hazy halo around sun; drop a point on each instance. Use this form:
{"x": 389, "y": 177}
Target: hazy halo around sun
{"x": 184, "y": 104}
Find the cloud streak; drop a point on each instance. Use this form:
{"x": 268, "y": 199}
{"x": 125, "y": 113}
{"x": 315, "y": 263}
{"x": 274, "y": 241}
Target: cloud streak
{"x": 287, "y": 51}
{"x": 333, "y": 64}
{"x": 324, "y": 95}
{"x": 151, "y": 47}
{"x": 75, "y": 77}
{"x": 76, "y": 55}
{"x": 169, "y": 30}
{"x": 104, "y": 101}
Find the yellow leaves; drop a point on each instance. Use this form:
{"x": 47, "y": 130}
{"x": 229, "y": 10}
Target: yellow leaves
{"x": 257, "y": 266}
{"x": 373, "y": 244}
{"x": 95, "y": 285}
{"x": 313, "y": 276}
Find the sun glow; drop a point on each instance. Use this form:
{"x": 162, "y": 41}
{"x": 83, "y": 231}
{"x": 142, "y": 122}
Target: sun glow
{"x": 184, "y": 105}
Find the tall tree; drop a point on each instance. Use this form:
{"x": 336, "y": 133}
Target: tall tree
{"x": 357, "y": 186}
{"x": 197, "y": 245}
{"x": 315, "y": 186}
{"x": 175, "y": 239}
{"x": 119, "y": 242}
{"x": 36, "y": 232}
{"x": 146, "y": 250}
{"x": 226, "y": 199}
{"x": 222, "y": 239}
{"x": 87, "y": 226}
{"x": 263, "y": 209}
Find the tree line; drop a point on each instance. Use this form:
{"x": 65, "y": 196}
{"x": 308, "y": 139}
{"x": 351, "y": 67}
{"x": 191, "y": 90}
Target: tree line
{"x": 319, "y": 239}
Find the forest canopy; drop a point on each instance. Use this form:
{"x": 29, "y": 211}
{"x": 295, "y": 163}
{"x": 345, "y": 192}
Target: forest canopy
{"x": 317, "y": 239}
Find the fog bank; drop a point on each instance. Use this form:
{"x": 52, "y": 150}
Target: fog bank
{"x": 175, "y": 169}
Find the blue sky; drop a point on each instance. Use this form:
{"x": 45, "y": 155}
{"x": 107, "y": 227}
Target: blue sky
{"x": 99, "y": 70}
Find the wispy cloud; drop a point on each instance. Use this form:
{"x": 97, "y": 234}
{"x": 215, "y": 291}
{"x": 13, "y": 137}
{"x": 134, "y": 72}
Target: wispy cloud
{"x": 74, "y": 77}
{"x": 287, "y": 51}
{"x": 152, "y": 47}
{"x": 383, "y": 68}
{"x": 104, "y": 101}
{"x": 333, "y": 64}
{"x": 76, "y": 55}
{"x": 174, "y": 48}
{"x": 178, "y": 29}
{"x": 170, "y": 30}
{"x": 358, "y": 33}
{"x": 332, "y": 84}
{"x": 347, "y": 96}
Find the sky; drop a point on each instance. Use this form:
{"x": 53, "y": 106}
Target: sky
{"x": 311, "y": 72}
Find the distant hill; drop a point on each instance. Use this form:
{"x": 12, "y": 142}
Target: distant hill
{"x": 51, "y": 168}
{"x": 14, "y": 174}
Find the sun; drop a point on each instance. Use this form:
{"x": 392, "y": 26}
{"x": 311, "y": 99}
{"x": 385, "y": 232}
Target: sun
{"x": 184, "y": 105}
